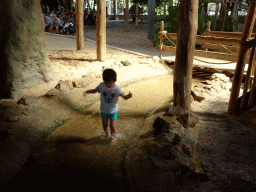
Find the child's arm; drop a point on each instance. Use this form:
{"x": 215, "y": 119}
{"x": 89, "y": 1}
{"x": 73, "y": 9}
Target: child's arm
{"x": 128, "y": 96}
{"x": 90, "y": 91}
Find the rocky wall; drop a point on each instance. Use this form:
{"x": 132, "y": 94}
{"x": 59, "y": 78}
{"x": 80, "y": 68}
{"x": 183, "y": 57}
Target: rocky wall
{"x": 24, "y": 61}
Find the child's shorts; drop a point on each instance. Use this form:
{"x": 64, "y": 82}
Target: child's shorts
{"x": 108, "y": 116}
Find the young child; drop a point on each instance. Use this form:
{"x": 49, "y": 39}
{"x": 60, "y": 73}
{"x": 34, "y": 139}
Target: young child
{"x": 109, "y": 100}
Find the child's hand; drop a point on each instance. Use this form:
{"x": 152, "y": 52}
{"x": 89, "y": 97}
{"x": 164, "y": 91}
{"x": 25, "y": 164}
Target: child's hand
{"x": 130, "y": 95}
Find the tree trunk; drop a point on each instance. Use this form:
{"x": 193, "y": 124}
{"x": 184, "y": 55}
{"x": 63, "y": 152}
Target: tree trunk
{"x": 24, "y": 61}
{"x": 101, "y": 31}
{"x": 188, "y": 24}
{"x": 79, "y": 25}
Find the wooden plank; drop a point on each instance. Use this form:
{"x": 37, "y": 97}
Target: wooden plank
{"x": 207, "y": 54}
{"x": 234, "y": 49}
{"x": 237, "y": 35}
{"x": 212, "y": 40}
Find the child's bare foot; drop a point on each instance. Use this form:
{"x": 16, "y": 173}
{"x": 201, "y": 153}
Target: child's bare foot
{"x": 113, "y": 139}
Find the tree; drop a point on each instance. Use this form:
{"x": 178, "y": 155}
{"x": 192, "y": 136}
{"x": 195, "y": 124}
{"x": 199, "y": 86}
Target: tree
{"x": 24, "y": 61}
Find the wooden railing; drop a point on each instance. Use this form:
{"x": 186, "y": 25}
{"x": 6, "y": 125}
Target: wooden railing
{"x": 225, "y": 44}
{"x": 229, "y": 46}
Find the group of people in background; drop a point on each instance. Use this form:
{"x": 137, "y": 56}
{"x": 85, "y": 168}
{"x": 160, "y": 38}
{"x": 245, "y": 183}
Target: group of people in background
{"x": 55, "y": 20}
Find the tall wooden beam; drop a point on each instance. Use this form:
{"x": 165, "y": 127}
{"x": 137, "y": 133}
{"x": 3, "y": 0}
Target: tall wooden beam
{"x": 188, "y": 24}
{"x": 238, "y": 76}
{"x": 101, "y": 30}
{"x": 80, "y": 24}
{"x": 151, "y": 18}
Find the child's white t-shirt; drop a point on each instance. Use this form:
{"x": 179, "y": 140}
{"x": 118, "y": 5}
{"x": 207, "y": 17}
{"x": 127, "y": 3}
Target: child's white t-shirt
{"x": 109, "y": 98}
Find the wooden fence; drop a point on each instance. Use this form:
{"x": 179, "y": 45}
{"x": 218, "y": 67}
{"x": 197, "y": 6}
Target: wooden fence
{"x": 230, "y": 46}
{"x": 225, "y": 45}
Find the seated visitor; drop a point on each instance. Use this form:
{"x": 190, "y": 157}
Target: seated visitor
{"x": 52, "y": 14}
{"x": 47, "y": 21}
{"x": 56, "y": 24}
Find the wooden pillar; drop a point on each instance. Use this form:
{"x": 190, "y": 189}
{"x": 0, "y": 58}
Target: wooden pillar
{"x": 151, "y": 18}
{"x": 126, "y": 12}
{"x": 115, "y": 9}
{"x": 217, "y": 10}
{"x": 80, "y": 24}
{"x": 188, "y": 24}
{"x": 161, "y": 34}
{"x": 136, "y": 14}
{"x": 238, "y": 75}
{"x": 101, "y": 30}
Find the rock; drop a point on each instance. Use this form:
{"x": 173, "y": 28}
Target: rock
{"x": 196, "y": 96}
{"x": 83, "y": 82}
{"x": 52, "y": 93}
{"x": 188, "y": 137}
{"x": 34, "y": 106}
{"x": 198, "y": 177}
{"x": 69, "y": 83}
{"x": 156, "y": 59}
{"x": 187, "y": 150}
{"x": 11, "y": 107}
{"x": 169, "y": 138}
{"x": 165, "y": 151}
{"x": 161, "y": 126}
{"x": 219, "y": 77}
{"x": 27, "y": 100}
{"x": 63, "y": 87}
{"x": 225, "y": 86}
{"x": 12, "y": 118}
{"x": 126, "y": 63}
{"x": 167, "y": 165}
{"x": 175, "y": 110}
{"x": 188, "y": 119}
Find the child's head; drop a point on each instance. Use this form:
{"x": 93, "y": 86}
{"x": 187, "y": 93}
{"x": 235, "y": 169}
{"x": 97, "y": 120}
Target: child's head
{"x": 109, "y": 75}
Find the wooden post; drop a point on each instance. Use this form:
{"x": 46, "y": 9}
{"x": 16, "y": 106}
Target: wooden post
{"x": 115, "y": 9}
{"x": 80, "y": 24}
{"x": 161, "y": 37}
{"x": 253, "y": 91}
{"x": 151, "y": 18}
{"x": 127, "y": 14}
{"x": 101, "y": 30}
{"x": 238, "y": 75}
{"x": 188, "y": 24}
{"x": 247, "y": 77}
{"x": 209, "y": 25}
{"x": 217, "y": 10}
{"x": 136, "y": 14}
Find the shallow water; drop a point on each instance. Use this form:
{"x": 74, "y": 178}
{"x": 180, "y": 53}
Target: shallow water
{"x": 77, "y": 154}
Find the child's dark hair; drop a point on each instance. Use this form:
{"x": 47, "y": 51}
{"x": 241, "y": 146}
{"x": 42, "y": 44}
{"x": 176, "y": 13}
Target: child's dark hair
{"x": 109, "y": 75}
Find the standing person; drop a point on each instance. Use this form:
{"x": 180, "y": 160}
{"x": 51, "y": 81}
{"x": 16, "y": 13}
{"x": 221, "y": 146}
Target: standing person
{"x": 47, "y": 9}
{"x": 109, "y": 100}
{"x": 107, "y": 12}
